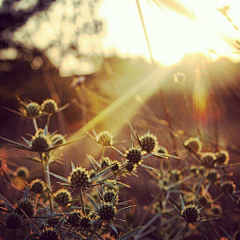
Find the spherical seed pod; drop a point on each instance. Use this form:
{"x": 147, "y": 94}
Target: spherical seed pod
{"x": 191, "y": 213}
{"x": 222, "y": 157}
{"x": 37, "y": 186}
{"x": 79, "y": 177}
{"x": 204, "y": 200}
{"x": 134, "y": 155}
{"x": 107, "y": 212}
{"x": 108, "y": 196}
{"x": 49, "y": 234}
{"x": 105, "y": 138}
{"x": 130, "y": 166}
{"x": 207, "y": 159}
{"x": 22, "y": 172}
{"x": 193, "y": 144}
{"x": 26, "y": 206}
{"x": 32, "y": 110}
{"x": 13, "y": 220}
{"x": 213, "y": 176}
{"x": 58, "y": 139}
{"x": 148, "y": 142}
{"x": 85, "y": 222}
{"x": 115, "y": 165}
{"x": 228, "y": 187}
{"x": 216, "y": 210}
{"x": 40, "y": 142}
{"x": 74, "y": 218}
{"x": 62, "y": 197}
{"x": 49, "y": 106}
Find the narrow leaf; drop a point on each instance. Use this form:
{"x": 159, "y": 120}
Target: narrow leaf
{"x": 93, "y": 203}
{"x": 59, "y": 177}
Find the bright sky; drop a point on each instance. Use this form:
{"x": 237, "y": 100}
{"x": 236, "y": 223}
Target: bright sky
{"x": 174, "y": 28}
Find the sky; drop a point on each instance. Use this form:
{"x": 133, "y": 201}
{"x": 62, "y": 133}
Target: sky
{"x": 173, "y": 29}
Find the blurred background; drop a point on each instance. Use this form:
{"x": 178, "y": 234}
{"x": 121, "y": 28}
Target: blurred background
{"x": 158, "y": 64}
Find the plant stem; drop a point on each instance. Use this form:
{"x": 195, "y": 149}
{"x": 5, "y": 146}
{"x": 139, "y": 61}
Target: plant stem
{"x": 35, "y": 124}
{"x": 65, "y": 234}
{"x": 81, "y": 199}
{"x": 47, "y": 179}
{"x": 184, "y": 230}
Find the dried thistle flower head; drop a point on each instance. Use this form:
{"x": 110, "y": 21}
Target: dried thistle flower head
{"x": 107, "y": 211}
{"x": 79, "y": 177}
{"x": 62, "y": 197}
{"x": 105, "y": 138}
{"x": 222, "y": 157}
{"x": 134, "y": 155}
{"x": 179, "y": 77}
{"x": 37, "y": 186}
{"x": 49, "y": 106}
{"x": 85, "y": 222}
{"x": 57, "y": 139}
{"x": 74, "y": 218}
{"x": 161, "y": 149}
{"x": 216, "y": 210}
{"x": 148, "y": 142}
{"x": 49, "y": 233}
{"x": 193, "y": 144}
{"x": 13, "y": 220}
{"x": 108, "y": 196}
{"x": 26, "y": 206}
{"x": 191, "y": 213}
{"x": 207, "y": 159}
{"x": 213, "y": 176}
{"x": 228, "y": 187}
{"x": 40, "y": 142}
{"x": 32, "y": 110}
{"x": 22, "y": 172}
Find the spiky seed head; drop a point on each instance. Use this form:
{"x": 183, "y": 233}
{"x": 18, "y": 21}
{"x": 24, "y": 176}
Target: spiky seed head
{"x": 13, "y": 220}
{"x": 109, "y": 194}
{"x": 107, "y": 211}
{"x": 40, "y": 142}
{"x": 58, "y": 139}
{"x": 179, "y": 77}
{"x": 115, "y": 165}
{"x": 134, "y": 155}
{"x": 79, "y": 177}
{"x": 85, "y": 222}
{"x": 32, "y": 110}
{"x": 74, "y": 218}
{"x": 130, "y": 166}
{"x": 213, "y": 176}
{"x": 176, "y": 175}
{"x": 62, "y": 197}
{"x": 193, "y": 144}
{"x": 204, "y": 200}
{"x": 162, "y": 150}
{"x": 191, "y": 213}
{"x": 105, "y": 162}
{"x": 228, "y": 187}
{"x": 49, "y": 233}
{"x": 148, "y": 142}
{"x": 222, "y": 157}
{"x": 201, "y": 170}
{"x": 22, "y": 172}
{"x": 105, "y": 138}
{"x": 53, "y": 221}
{"x": 216, "y": 210}
{"x": 37, "y": 186}
{"x": 207, "y": 159}
{"x": 26, "y": 206}
{"x": 49, "y": 106}
{"x": 194, "y": 170}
